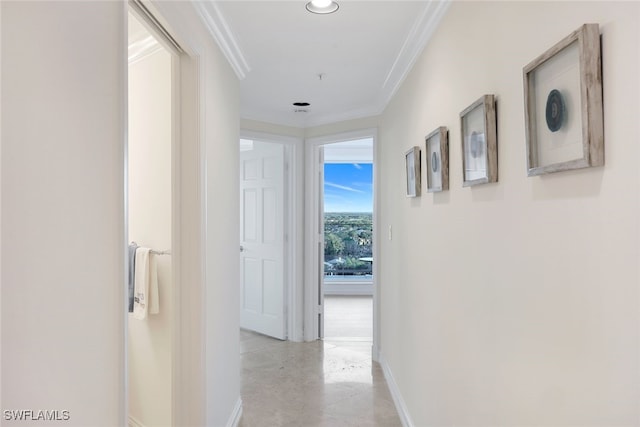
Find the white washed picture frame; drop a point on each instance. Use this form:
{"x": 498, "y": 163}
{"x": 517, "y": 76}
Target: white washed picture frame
{"x": 437, "y": 160}
{"x": 563, "y": 105}
{"x": 479, "y": 142}
{"x": 412, "y": 170}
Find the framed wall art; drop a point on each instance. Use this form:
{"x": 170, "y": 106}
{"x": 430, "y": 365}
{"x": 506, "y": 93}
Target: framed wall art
{"x": 437, "y": 160}
{"x": 563, "y": 105}
{"x": 479, "y": 142}
{"x": 412, "y": 167}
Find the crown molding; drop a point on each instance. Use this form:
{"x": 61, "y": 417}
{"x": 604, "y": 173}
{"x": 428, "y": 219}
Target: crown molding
{"x": 212, "y": 17}
{"x": 418, "y": 37}
{"x": 142, "y": 48}
{"x": 307, "y": 120}
{"x": 354, "y": 114}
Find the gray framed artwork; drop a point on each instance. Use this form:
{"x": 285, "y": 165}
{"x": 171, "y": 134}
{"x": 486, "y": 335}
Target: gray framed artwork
{"x": 479, "y": 142}
{"x": 437, "y": 160}
{"x": 563, "y": 105}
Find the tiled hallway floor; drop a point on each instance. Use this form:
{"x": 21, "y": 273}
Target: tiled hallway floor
{"x": 348, "y": 318}
{"x": 322, "y": 383}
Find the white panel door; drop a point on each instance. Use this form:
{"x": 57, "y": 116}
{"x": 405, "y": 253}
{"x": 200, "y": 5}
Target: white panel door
{"x": 262, "y": 280}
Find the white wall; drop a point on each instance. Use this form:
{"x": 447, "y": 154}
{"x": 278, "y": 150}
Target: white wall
{"x": 312, "y": 132}
{"x": 1, "y": 405}
{"x": 149, "y": 166}
{"x": 273, "y": 129}
{"x": 342, "y": 127}
{"x": 222, "y": 239}
{"x": 63, "y": 116}
{"x": 513, "y": 303}
{"x": 63, "y": 97}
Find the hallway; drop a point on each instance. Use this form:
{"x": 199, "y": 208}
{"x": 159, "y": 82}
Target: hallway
{"x": 321, "y": 383}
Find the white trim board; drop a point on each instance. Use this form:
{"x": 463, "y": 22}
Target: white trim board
{"x": 401, "y": 407}
{"x": 221, "y": 32}
{"x": 134, "y": 422}
{"x": 140, "y": 49}
{"x": 236, "y": 415}
{"x": 348, "y": 289}
{"x": 423, "y": 28}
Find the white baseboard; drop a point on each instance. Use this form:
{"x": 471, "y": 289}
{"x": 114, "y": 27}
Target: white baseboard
{"x": 401, "y": 407}
{"x": 234, "y": 419}
{"x": 134, "y": 422}
{"x": 347, "y": 289}
{"x": 375, "y": 353}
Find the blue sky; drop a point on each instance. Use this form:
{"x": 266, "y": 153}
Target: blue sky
{"x": 348, "y": 187}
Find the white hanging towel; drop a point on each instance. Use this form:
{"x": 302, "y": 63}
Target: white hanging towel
{"x": 154, "y": 297}
{"x": 146, "y": 285}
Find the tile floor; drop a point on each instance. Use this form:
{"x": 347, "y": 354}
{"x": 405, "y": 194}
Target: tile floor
{"x": 348, "y": 317}
{"x": 330, "y": 383}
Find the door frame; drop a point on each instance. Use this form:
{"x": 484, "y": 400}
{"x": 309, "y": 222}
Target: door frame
{"x": 142, "y": 15}
{"x": 293, "y": 229}
{"x": 188, "y": 223}
{"x": 312, "y": 286}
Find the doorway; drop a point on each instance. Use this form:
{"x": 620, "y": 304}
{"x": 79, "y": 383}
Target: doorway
{"x": 150, "y": 206}
{"x": 330, "y": 273}
{"x": 347, "y": 286}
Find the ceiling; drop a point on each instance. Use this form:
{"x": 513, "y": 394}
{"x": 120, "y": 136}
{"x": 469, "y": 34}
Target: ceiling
{"x": 347, "y": 64}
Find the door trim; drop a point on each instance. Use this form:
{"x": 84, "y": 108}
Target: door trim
{"x": 187, "y": 216}
{"x": 312, "y": 267}
{"x": 188, "y": 227}
{"x": 293, "y": 197}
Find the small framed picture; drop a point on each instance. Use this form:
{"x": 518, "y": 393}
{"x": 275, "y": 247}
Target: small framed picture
{"x": 412, "y": 166}
{"x": 479, "y": 142}
{"x": 563, "y": 105}
{"x": 437, "y": 159}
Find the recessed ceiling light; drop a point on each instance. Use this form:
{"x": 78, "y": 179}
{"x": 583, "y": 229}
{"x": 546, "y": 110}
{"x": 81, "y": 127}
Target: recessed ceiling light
{"x": 301, "y": 104}
{"x": 322, "y": 6}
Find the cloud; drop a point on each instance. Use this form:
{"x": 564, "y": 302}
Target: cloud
{"x": 368, "y": 185}
{"x": 357, "y": 166}
{"x": 342, "y": 187}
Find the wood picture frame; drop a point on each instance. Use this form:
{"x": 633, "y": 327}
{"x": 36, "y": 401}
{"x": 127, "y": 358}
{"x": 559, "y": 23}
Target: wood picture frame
{"x": 564, "y": 120}
{"x": 437, "y": 160}
{"x": 479, "y": 142}
{"x": 412, "y": 168}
